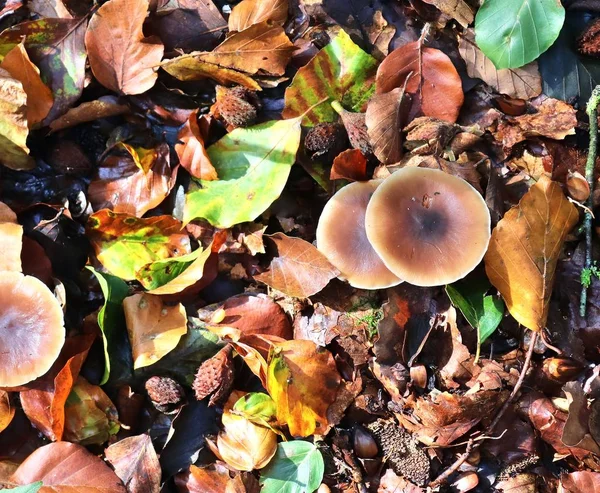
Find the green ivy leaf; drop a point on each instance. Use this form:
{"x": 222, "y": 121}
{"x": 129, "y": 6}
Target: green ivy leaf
{"x": 513, "y": 33}
{"x": 29, "y": 488}
{"x": 253, "y": 165}
{"x": 341, "y": 71}
{"x": 111, "y": 320}
{"x": 297, "y": 467}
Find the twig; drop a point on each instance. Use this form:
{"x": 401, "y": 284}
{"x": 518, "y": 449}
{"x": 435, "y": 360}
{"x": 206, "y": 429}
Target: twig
{"x": 455, "y": 465}
{"x": 592, "y": 111}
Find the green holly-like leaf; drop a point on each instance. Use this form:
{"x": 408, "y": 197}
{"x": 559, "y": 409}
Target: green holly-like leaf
{"x": 111, "y": 320}
{"x": 512, "y": 33}
{"x": 297, "y": 467}
{"x": 341, "y": 71}
{"x": 124, "y": 243}
{"x": 253, "y": 165}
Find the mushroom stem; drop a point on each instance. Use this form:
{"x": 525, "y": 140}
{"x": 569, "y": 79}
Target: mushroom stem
{"x": 592, "y": 111}
{"x": 339, "y": 109}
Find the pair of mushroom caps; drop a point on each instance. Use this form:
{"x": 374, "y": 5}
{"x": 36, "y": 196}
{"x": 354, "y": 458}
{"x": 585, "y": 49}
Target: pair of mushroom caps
{"x": 419, "y": 225}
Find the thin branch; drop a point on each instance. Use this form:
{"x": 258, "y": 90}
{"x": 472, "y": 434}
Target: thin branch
{"x": 442, "y": 478}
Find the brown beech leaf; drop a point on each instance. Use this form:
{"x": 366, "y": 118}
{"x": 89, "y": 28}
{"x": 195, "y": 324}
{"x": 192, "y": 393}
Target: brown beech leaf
{"x": 213, "y": 478}
{"x": 39, "y": 95}
{"x": 350, "y": 165}
{"x": 392, "y": 483}
{"x": 244, "y": 445}
{"x": 135, "y": 462}
{"x": 459, "y": 10}
{"x": 154, "y": 328}
{"x": 521, "y": 83}
{"x": 521, "y": 483}
{"x": 553, "y": 118}
{"x": 524, "y": 248}
{"x": 191, "y": 150}
{"x": 298, "y": 269}
{"x": 432, "y": 80}
{"x": 11, "y": 240}
{"x": 580, "y": 481}
{"x": 121, "y": 186}
{"x": 303, "y": 381}
{"x": 387, "y": 115}
{"x": 7, "y": 410}
{"x": 120, "y": 57}
{"x": 67, "y": 468}
{"x": 55, "y": 9}
{"x": 190, "y": 68}
{"x": 103, "y": 107}
{"x": 250, "y": 12}
{"x": 465, "y": 170}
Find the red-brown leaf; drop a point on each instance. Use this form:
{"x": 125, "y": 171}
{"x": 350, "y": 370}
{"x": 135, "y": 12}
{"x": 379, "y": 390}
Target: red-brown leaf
{"x": 136, "y": 463}
{"x": 350, "y": 165}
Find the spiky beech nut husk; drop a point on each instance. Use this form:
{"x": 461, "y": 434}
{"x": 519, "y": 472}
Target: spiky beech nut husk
{"x": 577, "y": 186}
{"x": 426, "y": 135}
{"x": 466, "y": 481}
{"x": 364, "y": 444}
{"x": 238, "y": 106}
{"x": 562, "y": 369}
{"x": 356, "y": 128}
{"x": 165, "y": 393}
{"x": 215, "y": 376}
{"x": 589, "y": 42}
{"x": 326, "y": 141}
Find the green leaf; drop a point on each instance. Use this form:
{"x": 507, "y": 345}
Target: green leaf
{"x": 30, "y": 488}
{"x": 297, "y": 467}
{"x": 484, "y": 313}
{"x": 257, "y": 407}
{"x": 341, "y": 71}
{"x": 253, "y": 165}
{"x": 111, "y": 320}
{"x": 513, "y": 33}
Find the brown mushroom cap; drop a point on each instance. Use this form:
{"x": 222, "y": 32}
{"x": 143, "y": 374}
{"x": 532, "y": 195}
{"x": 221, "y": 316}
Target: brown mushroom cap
{"x": 341, "y": 237}
{"x": 429, "y": 227}
{"x": 31, "y": 329}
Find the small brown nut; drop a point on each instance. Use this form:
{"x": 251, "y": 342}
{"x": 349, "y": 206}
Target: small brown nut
{"x": 465, "y": 482}
{"x": 561, "y": 369}
{"x": 577, "y": 186}
{"x": 364, "y": 444}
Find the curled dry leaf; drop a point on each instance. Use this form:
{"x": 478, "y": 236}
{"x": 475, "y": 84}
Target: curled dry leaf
{"x": 210, "y": 479}
{"x": 154, "y": 328}
{"x": 49, "y": 8}
{"x": 245, "y": 446}
{"x": 7, "y": 410}
{"x": 303, "y": 381}
{"x": 11, "y": 240}
{"x": 250, "y": 12}
{"x": 103, "y": 107}
{"x": 580, "y": 481}
{"x": 350, "y": 165}
{"x": 39, "y": 96}
{"x": 392, "y": 483}
{"x": 121, "y": 58}
{"x": 458, "y": 10}
{"x": 191, "y": 150}
{"x": 65, "y": 468}
{"x": 429, "y": 76}
{"x": 521, "y": 83}
{"x": 524, "y": 248}
{"x": 136, "y": 464}
{"x": 13, "y": 124}
{"x": 297, "y": 269}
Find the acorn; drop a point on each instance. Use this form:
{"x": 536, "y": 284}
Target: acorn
{"x": 325, "y": 141}
{"x": 356, "y": 127}
{"x": 166, "y": 394}
{"x": 561, "y": 368}
{"x": 364, "y": 444}
{"x": 238, "y": 106}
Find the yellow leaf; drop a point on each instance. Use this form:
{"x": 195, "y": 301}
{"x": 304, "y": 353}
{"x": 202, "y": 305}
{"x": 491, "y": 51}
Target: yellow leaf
{"x": 524, "y": 249}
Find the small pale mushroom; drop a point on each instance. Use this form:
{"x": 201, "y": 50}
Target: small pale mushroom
{"x": 32, "y": 329}
{"x": 430, "y": 228}
{"x": 341, "y": 237}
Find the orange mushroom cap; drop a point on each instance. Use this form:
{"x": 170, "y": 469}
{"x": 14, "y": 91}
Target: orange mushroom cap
{"x": 429, "y": 227}
{"x": 31, "y": 329}
{"x": 341, "y": 237}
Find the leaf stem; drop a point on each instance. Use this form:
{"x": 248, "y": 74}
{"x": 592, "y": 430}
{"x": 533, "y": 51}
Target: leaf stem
{"x": 592, "y": 111}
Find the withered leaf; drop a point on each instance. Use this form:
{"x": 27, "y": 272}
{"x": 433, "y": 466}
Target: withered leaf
{"x": 49, "y": 8}
{"x": 191, "y": 149}
{"x": 103, "y": 107}
{"x": 136, "y": 464}
{"x": 121, "y": 58}
{"x": 249, "y": 12}
{"x": 459, "y": 10}
{"x": 350, "y": 165}
{"x": 524, "y": 248}
{"x": 211, "y": 479}
{"x": 298, "y": 269}
{"x": 13, "y": 124}
{"x": 580, "y": 481}
{"x": 7, "y": 410}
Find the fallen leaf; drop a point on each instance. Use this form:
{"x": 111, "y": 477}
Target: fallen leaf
{"x": 339, "y": 72}
{"x": 136, "y": 464}
{"x": 430, "y": 77}
{"x": 103, "y": 107}
{"x": 576, "y": 432}
{"x": 297, "y": 269}
{"x": 350, "y": 165}
{"x": 13, "y": 124}
{"x": 529, "y": 163}
{"x": 386, "y": 116}
{"x": 458, "y": 10}
{"x": 250, "y": 12}
{"x": 253, "y": 165}
{"x": 154, "y": 328}
{"x": 7, "y": 410}
{"x": 521, "y": 483}
{"x": 11, "y": 240}
{"x": 520, "y": 83}
{"x": 49, "y": 8}
{"x": 67, "y": 467}
{"x": 121, "y": 58}
{"x": 124, "y": 243}
{"x": 39, "y": 96}
{"x": 303, "y": 381}
{"x": 191, "y": 150}
{"x": 580, "y": 481}
{"x": 123, "y": 187}
{"x": 524, "y": 248}
{"x": 213, "y": 478}
{"x": 392, "y": 483}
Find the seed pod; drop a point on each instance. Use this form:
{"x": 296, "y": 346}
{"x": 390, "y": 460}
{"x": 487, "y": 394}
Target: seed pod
{"x": 562, "y": 369}
{"x": 166, "y": 394}
{"x": 577, "y": 186}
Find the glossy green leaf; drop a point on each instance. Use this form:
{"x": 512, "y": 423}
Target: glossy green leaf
{"x": 257, "y": 407}
{"x": 483, "y": 312}
{"x": 341, "y": 71}
{"x": 253, "y": 165}
{"x": 297, "y": 467}
{"x": 513, "y": 33}
{"x": 29, "y": 488}
{"x": 111, "y": 320}
{"x": 124, "y": 243}
{"x": 57, "y": 48}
